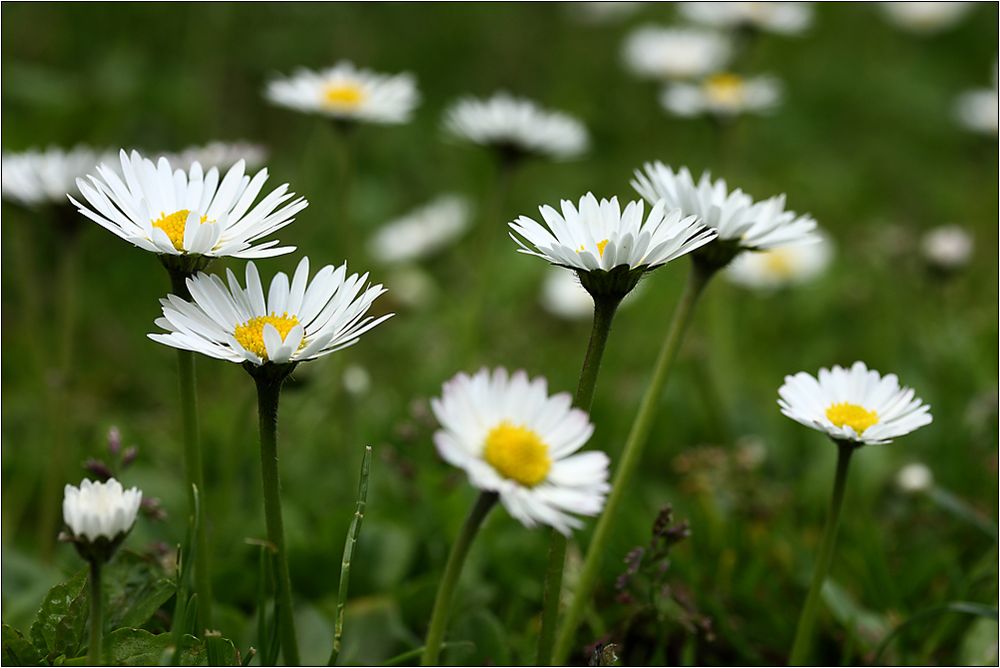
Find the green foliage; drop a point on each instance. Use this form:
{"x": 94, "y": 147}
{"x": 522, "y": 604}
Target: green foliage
{"x": 60, "y": 627}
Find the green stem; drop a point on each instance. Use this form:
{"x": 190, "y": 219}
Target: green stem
{"x": 345, "y": 183}
{"x": 94, "y": 653}
{"x": 268, "y": 393}
{"x": 194, "y": 466}
{"x": 631, "y": 455}
{"x": 345, "y": 564}
{"x": 803, "y": 633}
{"x": 446, "y": 590}
{"x": 604, "y": 313}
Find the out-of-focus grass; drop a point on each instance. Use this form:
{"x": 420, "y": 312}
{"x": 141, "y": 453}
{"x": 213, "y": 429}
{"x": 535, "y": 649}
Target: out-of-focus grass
{"x": 865, "y": 141}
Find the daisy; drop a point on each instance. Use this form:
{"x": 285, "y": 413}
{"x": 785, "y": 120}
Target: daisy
{"x": 925, "y": 17}
{"x": 947, "y": 247}
{"x": 220, "y": 154}
{"x": 853, "y": 405}
{"x": 297, "y": 321}
{"x": 100, "y": 510}
{"x": 174, "y": 212}
{"x": 348, "y": 93}
{"x": 977, "y": 109}
{"x": 516, "y": 127}
{"x": 421, "y": 232}
{"x": 782, "y": 266}
{"x": 564, "y": 296}
{"x": 787, "y": 18}
{"x": 675, "y": 53}
{"x": 599, "y": 236}
{"x": 44, "y": 177}
{"x": 723, "y": 94}
{"x": 512, "y": 438}
{"x": 739, "y": 221}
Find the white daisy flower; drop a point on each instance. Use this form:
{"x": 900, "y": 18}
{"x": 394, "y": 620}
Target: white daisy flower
{"x": 914, "y": 478}
{"x": 177, "y": 212}
{"x": 947, "y": 247}
{"x": 722, "y": 94}
{"x": 421, "y": 232}
{"x": 854, "y": 405}
{"x": 219, "y": 154}
{"x": 782, "y": 266}
{"x": 38, "y": 177}
{"x": 517, "y": 126}
{"x": 925, "y": 17}
{"x": 564, "y": 296}
{"x": 97, "y": 510}
{"x": 348, "y": 93}
{"x": 299, "y": 321}
{"x": 786, "y": 18}
{"x": 733, "y": 214}
{"x": 675, "y": 53}
{"x": 512, "y": 438}
{"x": 600, "y": 236}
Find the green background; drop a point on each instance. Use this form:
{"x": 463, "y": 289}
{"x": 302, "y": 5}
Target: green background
{"x": 865, "y": 141}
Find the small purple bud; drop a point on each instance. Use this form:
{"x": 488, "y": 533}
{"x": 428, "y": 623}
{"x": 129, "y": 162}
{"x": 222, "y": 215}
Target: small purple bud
{"x": 129, "y": 455}
{"x": 98, "y": 469}
{"x": 114, "y": 441}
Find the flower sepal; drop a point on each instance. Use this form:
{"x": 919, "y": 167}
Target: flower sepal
{"x": 97, "y": 551}
{"x": 270, "y": 373}
{"x": 716, "y": 255}
{"x": 185, "y": 265}
{"x": 612, "y": 283}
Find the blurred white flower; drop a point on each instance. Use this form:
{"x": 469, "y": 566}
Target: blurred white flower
{"x": 411, "y": 286}
{"x": 947, "y": 247}
{"x": 603, "y": 12}
{"x": 979, "y": 109}
{"x": 348, "y": 93}
{"x": 100, "y": 509}
{"x": 178, "y": 212}
{"x": 39, "y": 177}
{"x": 914, "y": 478}
{"x": 782, "y": 266}
{"x": 516, "y": 125}
{"x": 600, "y": 236}
{"x": 787, "y": 18}
{"x": 733, "y": 214}
{"x": 925, "y": 17}
{"x": 512, "y": 438}
{"x": 722, "y": 94}
{"x": 219, "y": 154}
{"x": 297, "y": 321}
{"x": 856, "y": 405}
{"x": 357, "y": 381}
{"x": 421, "y": 232}
{"x": 675, "y": 53}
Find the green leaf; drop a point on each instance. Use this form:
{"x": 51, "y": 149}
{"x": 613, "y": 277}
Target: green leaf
{"x": 60, "y": 627}
{"x": 138, "y": 647}
{"x": 221, "y": 651}
{"x": 137, "y": 587}
{"x": 17, "y": 650}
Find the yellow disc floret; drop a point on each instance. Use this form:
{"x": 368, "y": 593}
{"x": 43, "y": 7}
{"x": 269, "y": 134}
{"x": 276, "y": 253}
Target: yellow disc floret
{"x": 601, "y": 245}
{"x": 779, "y": 262}
{"x": 343, "y": 96}
{"x": 250, "y": 334}
{"x": 517, "y": 453}
{"x": 856, "y": 417}
{"x": 173, "y": 225}
{"x": 724, "y": 88}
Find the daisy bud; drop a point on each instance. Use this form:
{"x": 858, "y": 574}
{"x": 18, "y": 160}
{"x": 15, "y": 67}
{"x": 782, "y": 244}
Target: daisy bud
{"x": 99, "y": 515}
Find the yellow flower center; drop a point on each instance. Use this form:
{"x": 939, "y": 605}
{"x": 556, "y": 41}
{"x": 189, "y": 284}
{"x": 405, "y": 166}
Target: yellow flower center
{"x": 343, "y": 96}
{"x": 518, "y": 454}
{"x": 779, "y": 262}
{"x": 850, "y": 415}
{"x": 724, "y": 88}
{"x": 173, "y": 226}
{"x": 250, "y": 334}
{"x": 601, "y": 245}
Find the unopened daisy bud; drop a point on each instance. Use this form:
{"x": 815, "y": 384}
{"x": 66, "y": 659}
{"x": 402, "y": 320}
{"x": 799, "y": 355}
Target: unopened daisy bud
{"x": 947, "y": 248}
{"x": 347, "y": 93}
{"x": 608, "y": 248}
{"x": 512, "y": 438}
{"x": 857, "y": 405}
{"x": 914, "y": 478}
{"x": 99, "y": 515}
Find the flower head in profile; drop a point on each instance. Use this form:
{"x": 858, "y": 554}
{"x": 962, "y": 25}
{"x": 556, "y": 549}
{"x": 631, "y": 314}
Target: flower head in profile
{"x": 782, "y": 266}
{"x": 512, "y": 438}
{"x": 925, "y": 18}
{"x": 723, "y": 95}
{"x": 741, "y": 223}
{"x": 516, "y": 127}
{"x": 598, "y": 237}
{"x": 175, "y": 212}
{"x": 421, "y": 232}
{"x": 855, "y": 405}
{"x": 675, "y": 53}
{"x": 296, "y": 321}
{"x": 348, "y": 93}
{"x": 38, "y": 177}
{"x": 785, "y": 18}
{"x": 564, "y": 296}
{"x": 219, "y": 154}
{"x": 99, "y": 515}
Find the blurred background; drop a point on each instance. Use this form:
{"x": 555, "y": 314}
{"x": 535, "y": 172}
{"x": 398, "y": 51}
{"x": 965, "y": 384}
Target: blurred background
{"x": 865, "y": 138}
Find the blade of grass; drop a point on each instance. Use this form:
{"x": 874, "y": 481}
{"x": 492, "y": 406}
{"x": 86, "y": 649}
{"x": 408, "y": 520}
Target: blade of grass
{"x": 962, "y": 607}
